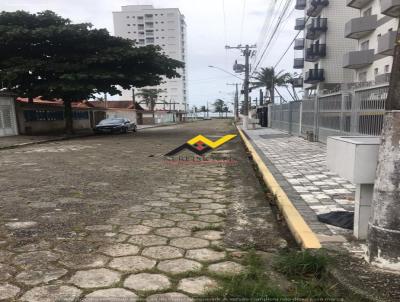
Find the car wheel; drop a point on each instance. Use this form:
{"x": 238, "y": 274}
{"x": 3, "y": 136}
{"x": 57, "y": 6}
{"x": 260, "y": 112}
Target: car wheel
{"x": 134, "y": 129}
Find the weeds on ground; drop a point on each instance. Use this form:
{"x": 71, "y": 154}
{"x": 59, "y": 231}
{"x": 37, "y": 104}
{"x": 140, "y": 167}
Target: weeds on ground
{"x": 308, "y": 272}
{"x": 251, "y": 285}
{"x": 305, "y": 270}
{"x": 302, "y": 264}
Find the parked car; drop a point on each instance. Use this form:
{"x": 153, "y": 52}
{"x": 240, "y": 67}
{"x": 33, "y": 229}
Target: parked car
{"x": 115, "y": 125}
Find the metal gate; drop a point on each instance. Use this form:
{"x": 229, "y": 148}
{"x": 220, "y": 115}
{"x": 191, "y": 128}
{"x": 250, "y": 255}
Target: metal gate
{"x": 8, "y": 124}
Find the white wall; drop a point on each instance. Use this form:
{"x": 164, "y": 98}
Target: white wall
{"x": 169, "y": 31}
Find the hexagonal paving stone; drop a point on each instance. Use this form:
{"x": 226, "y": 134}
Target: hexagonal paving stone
{"x": 213, "y": 206}
{"x": 100, "y": 277}
{"x": 7, "y": 272}
{"x": 120, "y": 249}
{"x": 145, "y": 215}
{"x": 209, "y": 234}
{"x": 158, "y": 223}
{"x": 178, "y": 217}
{"x": 206, "y": 255}
{"x": 162, "y": 252}
{"x": 8, "y": 291}
{"x": 197, "y": 285}
{"x": 19, "y": 225}
{"x": 169, "y": 297}
{"x": 226, "y": 268}
{"x": 201, "y": 200}
{"x": 52, "y": 293}
{"x": 35, "y": 258}
{"x": 189, "y": 242}
{"x": 173, "y": 232}
{"x": 100, "y": 228}
{"x": 159, "y": 204}
{"x": 210, "y": 218}
{"x": 40, "y": 275}
{"x": 192, "y": 224}
{"x": 83, "y": 261}
{"x": 111, "y": 294}
{"x": 139, "y": 208}
{"x": 199, "y": 211}
{"x": 132, "y": 264}
{"x": 187, "y": 205}
{"x": 5, "y": 255}
{"x": 166, "y": 210}
{"x": 147, "y": 282}
{"x": 31, "y": 247}
{"x": 136, "y": 229}
{"x": 147, "y": 240}
{"x": 179, "y": 266}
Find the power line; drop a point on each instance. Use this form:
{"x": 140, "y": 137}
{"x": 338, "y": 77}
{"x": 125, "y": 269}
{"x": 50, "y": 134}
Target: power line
{"x": 283, "y": 13}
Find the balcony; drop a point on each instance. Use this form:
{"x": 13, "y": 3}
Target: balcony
{"x": 300, "y": 4}
{"x": 382, "y": 78}
{"x": 300, "y": 24}
{"x": 390, "y": 8}
{"x": 316, "y": 7}
{"x": 358, "y": 59}
{"x": 314, "y": 76}
{"x": 315, "y": 52}
{"x": 357, "y": 3}
{"x": 297, "y": 82}
{"x": 386, "y": 43}
{"x": 316, "y": 27}
{"x": 358, "y": 28}
{"x": 299, "y": 44}
{"x": 298, "y": 63}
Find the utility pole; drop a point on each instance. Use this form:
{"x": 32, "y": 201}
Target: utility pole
{"x": 247, "y": 52}
{"x": 236, "y": 101}
{"x": 384, "y": 225}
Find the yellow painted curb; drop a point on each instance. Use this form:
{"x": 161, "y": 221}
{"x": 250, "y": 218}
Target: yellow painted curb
{"x": 299, "y": 228}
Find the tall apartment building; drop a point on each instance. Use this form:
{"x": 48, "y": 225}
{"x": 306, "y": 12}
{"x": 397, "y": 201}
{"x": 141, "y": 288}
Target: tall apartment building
{"x": 165, "y": 27}
{"x": 323, "y": 45}
{"x": 375, "y": 30}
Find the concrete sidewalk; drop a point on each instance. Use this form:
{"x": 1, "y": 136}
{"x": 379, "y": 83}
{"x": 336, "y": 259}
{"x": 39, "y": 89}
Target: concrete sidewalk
{"x": 300, "y": 169}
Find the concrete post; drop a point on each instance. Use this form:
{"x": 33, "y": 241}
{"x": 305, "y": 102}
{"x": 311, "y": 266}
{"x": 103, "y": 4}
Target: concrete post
{"x": 384, "y": 226}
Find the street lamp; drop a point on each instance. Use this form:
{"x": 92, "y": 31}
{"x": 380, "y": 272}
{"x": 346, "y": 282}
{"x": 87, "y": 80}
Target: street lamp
{"x": 223, "y": 70}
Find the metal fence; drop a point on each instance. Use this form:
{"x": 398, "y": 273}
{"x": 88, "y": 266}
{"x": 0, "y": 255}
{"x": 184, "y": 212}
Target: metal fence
{"x": 353, "y": 112}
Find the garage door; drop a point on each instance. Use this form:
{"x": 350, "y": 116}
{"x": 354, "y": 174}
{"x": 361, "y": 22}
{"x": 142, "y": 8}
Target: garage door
{"x": 8, "y": 125}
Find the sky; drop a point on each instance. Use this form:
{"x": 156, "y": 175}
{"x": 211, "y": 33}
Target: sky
{"x": 211, "y": 24}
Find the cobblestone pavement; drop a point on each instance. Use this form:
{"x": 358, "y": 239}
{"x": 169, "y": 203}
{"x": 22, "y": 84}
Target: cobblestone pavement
{"x": 300, "y": 168}
{"x": 107, "y": 218}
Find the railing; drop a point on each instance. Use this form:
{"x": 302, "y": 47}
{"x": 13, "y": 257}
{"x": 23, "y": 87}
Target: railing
{"x": 347, "y": 112}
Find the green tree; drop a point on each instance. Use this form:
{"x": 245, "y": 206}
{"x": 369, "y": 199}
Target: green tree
{"x": 219, "y": 106}
{"x": 150, "y": 97}
{"x": 268, "y": 78}
{"x": 46, "y": 55}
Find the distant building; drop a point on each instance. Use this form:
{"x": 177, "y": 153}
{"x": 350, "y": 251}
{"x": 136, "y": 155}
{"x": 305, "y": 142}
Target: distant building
{"x": 319, "y": 53}
{"x": 374, "y": 30}
{"x": 166, "y": 28}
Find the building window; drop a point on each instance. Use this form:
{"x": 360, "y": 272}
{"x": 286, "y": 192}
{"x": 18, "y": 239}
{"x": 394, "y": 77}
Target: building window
{"x": 362, "y": 76}
{"x": 127, "y": 17}
{"x": 387, "y": 68}
{"x": 365, "y": 45}
{"x": 376, "y": 71}
{"x": 367, "y": 12}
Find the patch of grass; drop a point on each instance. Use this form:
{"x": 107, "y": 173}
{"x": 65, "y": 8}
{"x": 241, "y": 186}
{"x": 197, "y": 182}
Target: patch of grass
{"x": 251, "y": 285}
{"x": 295, "y": 264}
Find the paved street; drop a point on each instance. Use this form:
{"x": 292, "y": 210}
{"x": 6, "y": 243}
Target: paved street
{"x": 300, "y": 168}
{"x": 107, "y": 217}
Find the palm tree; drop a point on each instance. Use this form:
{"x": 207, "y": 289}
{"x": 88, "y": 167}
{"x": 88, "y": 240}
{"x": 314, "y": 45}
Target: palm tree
{"x": 268, "y": 78}
{"x": 219, "y": 106}
{"x": 150, "y": 96}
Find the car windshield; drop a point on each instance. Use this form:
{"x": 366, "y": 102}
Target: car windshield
{"x": 112, "y": 121}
